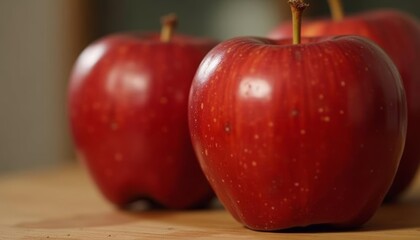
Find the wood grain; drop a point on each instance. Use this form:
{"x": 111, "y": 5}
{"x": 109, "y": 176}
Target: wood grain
{"x": 63, "y": 204}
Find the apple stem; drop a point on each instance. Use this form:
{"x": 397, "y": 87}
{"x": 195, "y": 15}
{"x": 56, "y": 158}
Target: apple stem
{"x": 337, "y": 10}
{"x": 297, "y": 7}
{"x": 169, "y": 23}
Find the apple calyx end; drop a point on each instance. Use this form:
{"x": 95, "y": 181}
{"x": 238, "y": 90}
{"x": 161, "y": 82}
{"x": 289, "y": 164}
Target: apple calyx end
{"x": 169, "y": 23}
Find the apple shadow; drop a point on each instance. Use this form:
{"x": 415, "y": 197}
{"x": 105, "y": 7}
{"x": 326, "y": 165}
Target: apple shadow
{"x": 390, "y": 216}
{"x": 214, "y": 219}
{"x": 149, "y": 205}
{"x": 395, "y": 216}
{"x": 137, "y": 211}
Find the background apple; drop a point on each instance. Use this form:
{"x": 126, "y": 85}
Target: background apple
{"x": 399, "y": 35}
{"x": 128, "y": 99}
{"x": 296, "y": 135}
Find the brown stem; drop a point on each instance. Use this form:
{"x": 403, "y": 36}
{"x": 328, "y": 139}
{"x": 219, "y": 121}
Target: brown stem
{"x": 336, "y": 8}
{"x": 169, "y": 23}
{"x": 297, "y": 7}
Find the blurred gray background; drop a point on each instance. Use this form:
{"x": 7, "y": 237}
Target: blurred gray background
{"x": 40, "y": 40}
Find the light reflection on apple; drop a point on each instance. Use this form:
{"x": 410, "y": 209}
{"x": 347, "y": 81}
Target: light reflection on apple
{"x": 208, "y": 66}
{"x": 90, "y": 57}
{"x": 128, "y": 79}
{"x": 255, "y": 88}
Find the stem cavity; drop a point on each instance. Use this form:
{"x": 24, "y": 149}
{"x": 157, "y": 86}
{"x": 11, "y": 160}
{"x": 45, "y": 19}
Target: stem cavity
{"x": 297, "y": 7}
{"x": 336, "y": 9}
{"x": 169, "y": 23}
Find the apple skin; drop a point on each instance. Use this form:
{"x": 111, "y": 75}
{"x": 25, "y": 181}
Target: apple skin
{"x": 298, "y": 135}
{"x": 127, "y": 102}
{"x": 399, "y": 35}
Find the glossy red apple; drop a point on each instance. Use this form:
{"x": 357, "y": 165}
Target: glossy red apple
{"x": 128, "y": 99}
{"x": 399, "y": 35}
{"x": 298, "y": 135}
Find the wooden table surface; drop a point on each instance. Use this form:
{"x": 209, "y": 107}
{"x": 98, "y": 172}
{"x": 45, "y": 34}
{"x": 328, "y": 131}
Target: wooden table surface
{"x": 63, "y": 203}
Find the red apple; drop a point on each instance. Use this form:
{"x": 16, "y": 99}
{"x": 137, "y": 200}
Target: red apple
{"x": 399, "y": 35}
{"x": 128, "y": 98}
{"x": 298, "y": 135}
